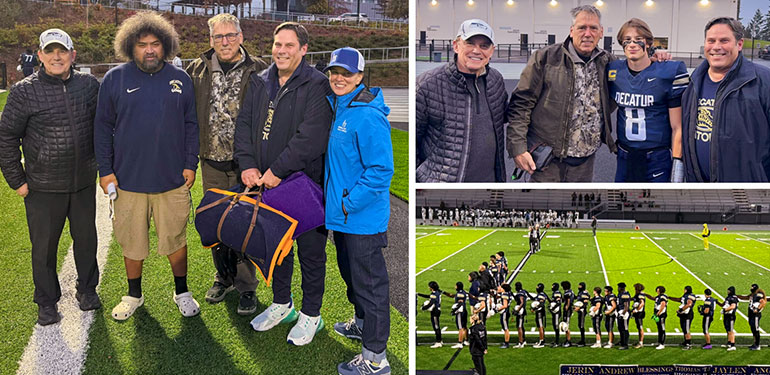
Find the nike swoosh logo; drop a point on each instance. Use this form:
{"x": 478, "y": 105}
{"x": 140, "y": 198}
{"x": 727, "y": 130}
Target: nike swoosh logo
{"x": 651, "y": 79}
{"x": 657, "y": 174}
{"x": 132, "y": 90}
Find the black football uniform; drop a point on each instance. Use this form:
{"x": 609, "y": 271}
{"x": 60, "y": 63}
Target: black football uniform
{"x": 708, "y": 317}
{"x": 521, "y": 301}
{"x": 540, "y": 311}
{"x": 609, "y": 320}
{"x": 597, "y": 319}
{"x": 461, "y": 314}
{"x": 624, "y": 307}
{"x": 662, "y": 314}
{"x": 685, "y": 319}
{"x": 505, "y": 314}
{"x": 586, "y": 300}
{"x": 729, "y": 316}
{"x": 639, "y": 316}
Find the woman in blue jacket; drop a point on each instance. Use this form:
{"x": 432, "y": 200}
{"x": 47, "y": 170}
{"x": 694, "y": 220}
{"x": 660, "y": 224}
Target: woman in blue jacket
{"x": 359, "y": 167}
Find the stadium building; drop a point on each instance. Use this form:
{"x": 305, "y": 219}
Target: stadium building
{"x": 677, "y": 24}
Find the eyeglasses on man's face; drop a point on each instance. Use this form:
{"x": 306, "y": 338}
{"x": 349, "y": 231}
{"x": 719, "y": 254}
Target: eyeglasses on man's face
{"x": 231, "y": 37}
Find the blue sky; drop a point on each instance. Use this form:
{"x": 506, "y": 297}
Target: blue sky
{"x": 748, "y": 7}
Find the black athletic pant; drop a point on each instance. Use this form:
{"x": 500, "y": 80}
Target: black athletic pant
{"x": 597, "y": 320}
{"x": 623, "y": 329}
{"x": 478, "y": 363}
{"x": 311, "y": 247}
{"x": 754, "y": 324}
{"x": 582, "y": 324}
{"x": 662, "y": 330}
{"x": 555, "y": 319}
{"x": 434, "y": 321}
{"x": 46, "y": 214}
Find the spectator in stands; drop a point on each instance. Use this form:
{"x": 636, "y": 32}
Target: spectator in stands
{"x": 50, "y": 114}
{"x": 449, "y": 148}
{"x": 726, "y": 111}
{"x": 138, "y": 101}
{"x": 220, "y": 78}
{"x": 574, "y": 198}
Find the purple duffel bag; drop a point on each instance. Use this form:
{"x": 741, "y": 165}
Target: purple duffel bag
{"x": 299, "y": 197}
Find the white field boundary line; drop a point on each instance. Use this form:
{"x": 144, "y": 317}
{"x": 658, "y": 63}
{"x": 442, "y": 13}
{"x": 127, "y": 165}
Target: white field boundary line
{"x": 519, "y": 267}
{"x": 61, "y": 348}
{"x": 604, "y": 270}
{"x": 450, "y": 255}
{"x": 697, "y": 278}
{"x": 720, "y": 247}
{"x": 752, "y": 238}
{"x": 604, "y": 333}
{"x": 430, "y": 234}
{"x": 573, "y": 230}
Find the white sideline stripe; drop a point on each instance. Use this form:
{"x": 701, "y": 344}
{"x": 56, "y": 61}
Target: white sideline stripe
{"x": 752, "y": 262}
{"x": 698, "y": 278}
{"x": 604, "y": 270}
{"x": 61, "y": 348}
{"x": 430, "y": 234}
{"x": 752, "y": 238}
{"x": 604, "y": 333}
{"x": 450, "y": 255}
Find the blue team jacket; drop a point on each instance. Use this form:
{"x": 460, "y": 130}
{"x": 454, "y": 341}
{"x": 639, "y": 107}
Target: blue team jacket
{"x": 359, "y": 163}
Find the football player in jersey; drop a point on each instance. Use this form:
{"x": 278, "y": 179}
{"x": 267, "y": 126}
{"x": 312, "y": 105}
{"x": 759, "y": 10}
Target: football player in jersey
{"x": 460, "y": 312}
{"x": 532, "y": 240}
{"x": 555, "y": 307}
{"x": 705, "y": 234}
{"x": 503, "y": 262}
{"x": 638, "y": 313}
{"x": 596, "y": 315}
{"x": 624, "y": 308}
{"x": 685, "y": 313}
{"x": 537, "y": 238}
{"x": 433, "y": 305}
{"x": 610, "y": 312}
{"x": 707, "y": 311}
{"x": 757, "y": 300}
{"x": 483, "y": 305}
{"x": 729, "y": 308}
{"x": 538, "y": 307}
{"x": 504, "y": 309}
{"x": 520, "y": 310}
{"x": 494, "y": 270}
{"x": 648, "y": 95}
{"x": 660, "y": 314}
{"x": 582, "y": 300}
{"x": 569, "y": 300}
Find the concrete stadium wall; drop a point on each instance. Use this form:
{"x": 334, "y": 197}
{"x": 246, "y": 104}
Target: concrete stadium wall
{"x": 681, "y": 21}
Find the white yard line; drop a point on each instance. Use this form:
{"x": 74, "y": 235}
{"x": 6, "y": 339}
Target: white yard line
{"x": 61, "y": 348}
{"x": 720, "y": 247}
{"x": 752, "y": 238}
{"x": 696, "y": 277}
{"x": 450, "y": 255}
{"x": 430, "y": 234}
{"x": 604, "y": 270}
{"x": 549, "y": 333}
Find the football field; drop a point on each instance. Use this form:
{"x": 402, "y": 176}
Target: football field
{"x": 673, "y": 258}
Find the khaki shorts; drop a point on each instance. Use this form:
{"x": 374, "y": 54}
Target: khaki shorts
{"x": 131, "y": 223}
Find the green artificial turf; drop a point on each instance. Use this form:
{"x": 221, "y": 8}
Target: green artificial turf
{"x": 3, "y": 98}
{"x": 18, "y": 313}
{"x": 628, "y": 256}
{"x": 400, "y": 183}
{"x": 158, "y": 340}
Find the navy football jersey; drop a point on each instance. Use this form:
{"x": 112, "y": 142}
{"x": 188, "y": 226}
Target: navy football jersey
{"x": 568, "y": 299}
{"x": 597, "y": 300}
{"x": 711, "y": 304}
{"x": 461, "y": 296}
{"x": 521, "y": 299}
{"x": 506, "y": 296}
{"x": 643, "y": 102}
{"x": 625, "y": 301}
{"x": 584, "y": 297}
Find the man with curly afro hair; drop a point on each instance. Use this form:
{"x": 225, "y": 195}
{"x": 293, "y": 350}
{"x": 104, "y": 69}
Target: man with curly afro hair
{"x": 146, "y": 144}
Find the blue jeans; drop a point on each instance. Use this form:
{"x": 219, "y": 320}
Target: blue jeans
{"x": 311, "y": 247}
{"x": 362, "y": 266}
{"x": 645, "y": 166}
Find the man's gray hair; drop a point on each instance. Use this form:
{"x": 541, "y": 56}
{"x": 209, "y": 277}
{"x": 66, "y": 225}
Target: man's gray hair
{"x": 585, "y": 8}
{"x": 223, "y": 18}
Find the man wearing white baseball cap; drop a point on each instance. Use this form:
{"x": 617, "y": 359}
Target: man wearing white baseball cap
{"x": 51, "y": 114}
{"x": 461, "y": 113}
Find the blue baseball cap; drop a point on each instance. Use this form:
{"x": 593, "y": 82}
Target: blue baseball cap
{"x": 348, "y": 58}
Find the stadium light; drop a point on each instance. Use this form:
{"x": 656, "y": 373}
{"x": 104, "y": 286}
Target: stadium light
{"x": 470, "y": 2}
{"x": 704, "y": 2}
{"x": 510, "y": 2}
{"x": 433, "y": 2}
{"x": 649, "y": 3}
{"x": 599, "y": 3}
{"x": 554, "y": 3}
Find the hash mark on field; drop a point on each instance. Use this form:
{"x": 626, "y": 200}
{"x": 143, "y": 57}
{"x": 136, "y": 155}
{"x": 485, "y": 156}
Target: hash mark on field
{"x": 673, "y": 273}
{"x": 533, "y": 271}
{"x": 444, "y": 329}
{"x": 708, "y": 273}
{"x": 462, "y": 270}
{"x": 648, "y": 330}
{"x": 551, "y": 271}
{"x": 725, "y": 273}
{"x": 443, "y": 269}
{"x": 533, "y": 329}
{"x": 639, "y": 273}
{"x": 743, "y": 273}
{"x": 676, "y": 330}
{"x": 569, "y": 271}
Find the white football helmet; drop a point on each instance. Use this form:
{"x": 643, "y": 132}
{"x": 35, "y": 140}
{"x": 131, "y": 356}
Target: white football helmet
{"x": 563, "y": 327}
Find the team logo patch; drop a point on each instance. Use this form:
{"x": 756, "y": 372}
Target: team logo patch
{"x": 344, "y": 127}
{"x": 612, "y": 74}
{"x": 176, "y": 86}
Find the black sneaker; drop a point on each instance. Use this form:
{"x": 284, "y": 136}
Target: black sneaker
{"x": 581, "y": 344}
{"x": 504, "y": 346}
{"x": 88, "y": 301}
{"x": 48, "y": 315}
{"x": 567, "y": 344}
{"x": 555, "y": 344}
{"x": 217, "y": 292}
{"x": 247, "y": 305}
{"x": 348, "y": 329}
{"x": 686, "y": 347}
{"x": 622, "y": 347}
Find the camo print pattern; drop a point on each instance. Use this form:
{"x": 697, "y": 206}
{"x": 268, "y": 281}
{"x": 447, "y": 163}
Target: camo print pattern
{"x": 586, "y": 122}
{"x": 225, "y": 105}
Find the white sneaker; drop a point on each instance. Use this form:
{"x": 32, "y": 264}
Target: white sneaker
{"x": 303, "y": 332}
{"x": 466, "y": 343}
{"x": 126, "y": 307}
{"x": 597, "y": 345}
{"x": 437, "y": 345}
{"x": 520, "y": 345}
{"x": 459, "y": 345}
{"x": 187, "y": 305}
{"x": 608, "y": 346}
{"x": 273, "y": 315}
{"x": 730, "y": 348}
{"x": 538, "y": 345}
{"x": 660, "y": 346}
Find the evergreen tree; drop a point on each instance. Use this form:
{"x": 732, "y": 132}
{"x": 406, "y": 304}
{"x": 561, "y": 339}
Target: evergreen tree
{"x": 755, "y": 25}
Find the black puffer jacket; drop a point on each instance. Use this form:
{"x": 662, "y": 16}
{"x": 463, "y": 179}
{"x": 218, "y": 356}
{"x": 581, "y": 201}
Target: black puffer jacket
{"x": 443, "y": 122}
{"x": 54, "y": 120}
